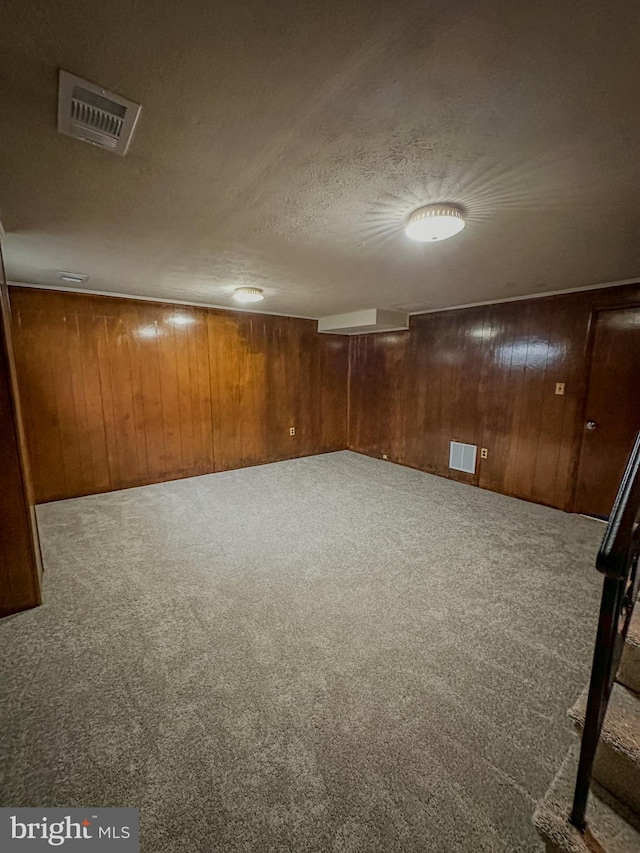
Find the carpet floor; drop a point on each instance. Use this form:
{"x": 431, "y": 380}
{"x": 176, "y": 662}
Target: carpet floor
{"x": 326, "y": 654}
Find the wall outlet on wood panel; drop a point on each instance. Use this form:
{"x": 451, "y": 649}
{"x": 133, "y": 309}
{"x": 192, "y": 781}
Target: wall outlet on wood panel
{"x": 484, "y": 453}
{"x": 560, "y": 388}
{"x": 292, "y": 430}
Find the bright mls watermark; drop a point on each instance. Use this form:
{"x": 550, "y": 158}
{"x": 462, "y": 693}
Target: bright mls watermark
{"x": 104, "y": 830}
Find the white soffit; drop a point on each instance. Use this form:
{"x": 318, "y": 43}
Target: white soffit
{"x": 364, "y": 322}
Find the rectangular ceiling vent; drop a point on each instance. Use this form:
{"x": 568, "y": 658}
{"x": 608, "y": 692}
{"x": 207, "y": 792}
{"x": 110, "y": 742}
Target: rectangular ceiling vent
{"x": 462, "y": 457}
{"x": 94, "y": 115}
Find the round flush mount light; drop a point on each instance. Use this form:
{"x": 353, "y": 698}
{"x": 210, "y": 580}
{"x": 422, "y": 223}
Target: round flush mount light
{"x": 435, "y": 222}
{"x": 248, "y": 294}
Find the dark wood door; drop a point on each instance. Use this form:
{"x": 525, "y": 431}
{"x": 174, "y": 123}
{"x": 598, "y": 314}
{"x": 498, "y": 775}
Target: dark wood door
{"x": 612, "y": 413}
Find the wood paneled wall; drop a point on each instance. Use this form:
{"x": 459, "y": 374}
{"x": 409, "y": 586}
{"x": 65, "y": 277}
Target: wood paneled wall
{"x": 20, "y": 563}
{"x": 485, "y": 376}
{"x": 121, "y": 393}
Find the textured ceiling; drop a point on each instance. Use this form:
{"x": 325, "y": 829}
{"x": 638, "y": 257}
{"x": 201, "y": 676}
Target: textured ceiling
{"x": 282, "y": 144}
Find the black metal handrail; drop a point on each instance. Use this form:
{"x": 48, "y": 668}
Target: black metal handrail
{"x": 618, "y": 561}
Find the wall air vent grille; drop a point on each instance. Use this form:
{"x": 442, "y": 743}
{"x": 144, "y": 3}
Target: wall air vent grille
{"x": 90, "y": 113}
{"x": 462, "y": 457}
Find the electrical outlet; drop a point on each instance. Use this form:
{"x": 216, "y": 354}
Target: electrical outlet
{"x": 484, "y": 453}
{"x": 292, "y": 430}
{"x": 384, "y": 456}
{"x": 560, "y": 388}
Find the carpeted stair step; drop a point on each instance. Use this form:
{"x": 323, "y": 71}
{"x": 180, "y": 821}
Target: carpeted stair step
{"x": 607, "y": 831}
{"x": 617, "y": 764}
{"x": 629, "y": 669}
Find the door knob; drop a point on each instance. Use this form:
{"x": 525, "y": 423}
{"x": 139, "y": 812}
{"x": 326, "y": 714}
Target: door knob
{"x": 590, "y": 425}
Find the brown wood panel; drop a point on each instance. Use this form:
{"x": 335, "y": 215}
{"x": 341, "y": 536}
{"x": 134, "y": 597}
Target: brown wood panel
{"x": 20, "y": 562}
{"x": 149, "y": 391}
{"x": 122, "y": 392}
{"x": 442, "y": 394}
{"x": 527, "y": 428}
{"x": 377, "y": 404}
{"x": 200, "y": 388}
{"x": 94, "y": 402}
{"x": 486, "y": 376}
{"x": 329, "y": 398}
{"x": 239, "y": 353}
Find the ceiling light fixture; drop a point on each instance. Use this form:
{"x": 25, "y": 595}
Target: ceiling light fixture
{"x": 248, "y": 294}
{"x": 435, "y": 222}
{"x": 73, "y": 277}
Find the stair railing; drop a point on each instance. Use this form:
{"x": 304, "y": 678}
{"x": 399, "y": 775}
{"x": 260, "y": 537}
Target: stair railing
{"x": 618, "y": 561}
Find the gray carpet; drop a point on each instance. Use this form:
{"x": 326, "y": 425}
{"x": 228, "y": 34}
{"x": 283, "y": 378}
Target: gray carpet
{"x": 326, "y": 654}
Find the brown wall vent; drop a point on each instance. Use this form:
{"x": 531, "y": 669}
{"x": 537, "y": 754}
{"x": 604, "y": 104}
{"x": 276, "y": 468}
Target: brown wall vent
{"x": 94, "y": 115}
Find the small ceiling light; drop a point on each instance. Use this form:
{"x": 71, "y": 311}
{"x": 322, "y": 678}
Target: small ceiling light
{"x": 435, "y": 222}
{"x": 73, "y": 277}
{"x": 248, "y": 294}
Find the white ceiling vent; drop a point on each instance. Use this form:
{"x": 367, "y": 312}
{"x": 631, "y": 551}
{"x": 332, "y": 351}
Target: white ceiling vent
{"x": 94, "y": 115}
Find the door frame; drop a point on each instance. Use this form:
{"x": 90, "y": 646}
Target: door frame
{"x": 592, "y": 328}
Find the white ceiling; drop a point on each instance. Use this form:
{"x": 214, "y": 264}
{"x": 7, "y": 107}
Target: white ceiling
{"x": 281, "y": 145}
